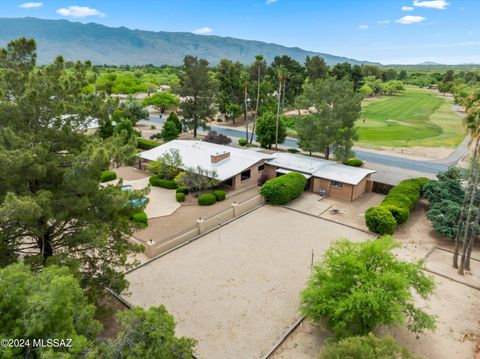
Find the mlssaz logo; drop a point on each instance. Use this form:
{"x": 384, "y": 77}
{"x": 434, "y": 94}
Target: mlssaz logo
{"x": 52, "y": 343}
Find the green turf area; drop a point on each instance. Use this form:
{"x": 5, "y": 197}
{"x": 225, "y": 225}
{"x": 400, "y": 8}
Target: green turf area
{"x": 414, "y": 118}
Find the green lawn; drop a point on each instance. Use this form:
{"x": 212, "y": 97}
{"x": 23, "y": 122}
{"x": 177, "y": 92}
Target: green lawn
{"x": 414, "y": 118}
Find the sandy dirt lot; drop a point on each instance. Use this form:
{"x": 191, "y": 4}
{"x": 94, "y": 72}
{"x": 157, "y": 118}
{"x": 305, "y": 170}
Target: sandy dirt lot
{"x": 237, "y": 289}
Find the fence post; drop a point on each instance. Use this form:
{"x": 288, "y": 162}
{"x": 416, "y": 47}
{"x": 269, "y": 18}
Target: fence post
{"x": 201, "y": 225}
{"x": 150, "y": 248}
{"x": 235, "y": 209}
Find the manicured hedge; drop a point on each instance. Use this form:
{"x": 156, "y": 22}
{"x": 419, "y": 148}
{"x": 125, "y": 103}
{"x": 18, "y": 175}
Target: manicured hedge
{"x": 145, "y": 144}
{"x": 283, "y": 189}
{"x": 219, "y": 194}
{"x": 354, "y": 162}
{"x": 242, "y": 142}
{"x": 180, "y": 197}
{"x": 399, "y": 201}
{"x": 160, "y": 182}
{"x": 183, "y": 190}
{"x": 206, "y": 199}
{"x": 106, "y": 176}
{"x": 380, "y": 220}
{"x": 140, "y": 218}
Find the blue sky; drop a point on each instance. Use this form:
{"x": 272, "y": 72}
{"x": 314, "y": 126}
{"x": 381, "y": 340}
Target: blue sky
{"x": 388, "y": 31}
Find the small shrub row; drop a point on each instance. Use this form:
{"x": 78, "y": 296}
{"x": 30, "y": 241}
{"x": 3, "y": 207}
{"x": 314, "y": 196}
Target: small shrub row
{"x": 293, "y": 150}
{"x": 180, "y": 196}
{"x": 106, "y": 176}
{"x": 395, "y": 208}
{"x": 207, "y": 199}
{"x": 354, "y": 162}
{"x": 145, "y": 144}
{"x": 242, "y": 142}
{"x": 161, "y": 182}
{"x": 140, "y": 218}
{"x": 219, "y": 194}
{"x": 283, "y": 189}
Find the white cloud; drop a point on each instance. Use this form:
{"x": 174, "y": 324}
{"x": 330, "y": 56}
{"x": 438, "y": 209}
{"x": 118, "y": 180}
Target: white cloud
{"x": 363, "y": 27}
{"x": 202, "y": 31}
{"x": 407, "y": 8}
{"x": 270, "y": 2}
{"x": 79, "y": 11}
{"x": 431, "y": 4}
{"x": 31, "y": 5}
{"x": 410, "y": 19}
{"x": 382, "y": 22}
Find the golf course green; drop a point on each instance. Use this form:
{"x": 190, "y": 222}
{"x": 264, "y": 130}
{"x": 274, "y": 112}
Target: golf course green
{"x": 415, "y": 117}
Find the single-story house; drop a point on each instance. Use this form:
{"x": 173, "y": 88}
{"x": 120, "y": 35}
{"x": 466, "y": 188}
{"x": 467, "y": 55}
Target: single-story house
{"x": 237, "y": 167}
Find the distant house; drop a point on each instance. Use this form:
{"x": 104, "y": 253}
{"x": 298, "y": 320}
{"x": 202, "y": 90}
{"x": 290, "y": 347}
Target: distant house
{"x": 238, "y": 168}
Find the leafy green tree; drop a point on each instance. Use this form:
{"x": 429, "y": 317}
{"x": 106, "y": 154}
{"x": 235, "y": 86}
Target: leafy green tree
{"x": 45, "y": 305}
{"x": 444, "y": 216}
{"x": 162, "y": 101}
{"x": 316, "y": 67}
{"x": 365, "y": 90}
{"x": 337, "y": 107}
{"x": 174, "y": 118}
{"x": 169, "y": 131}
{"x": 292, "y": 84}
{"x": 148, "y": 334}
{"x": 52, "y": 209}
{"x": 198, "y": 89}
{"x": 361, "y": 286}
{"x": 267, "y": 128}
{"x": 197, "y": 180}
{"x": 342, "y": 71}
{"x": 307, "y": 133}
{"x": 230, "y": 89}
{"x": 366, "y": 347}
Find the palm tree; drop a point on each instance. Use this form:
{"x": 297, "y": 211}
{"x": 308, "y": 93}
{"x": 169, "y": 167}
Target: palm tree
{"x": 244, "y": 80}
{"x": 472, "y": 122}
{"x": 281, "y": 75}
{"x": 258, "y": 63}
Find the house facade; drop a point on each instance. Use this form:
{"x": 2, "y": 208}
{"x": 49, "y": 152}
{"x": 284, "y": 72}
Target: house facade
{"x": 240, "y": 168}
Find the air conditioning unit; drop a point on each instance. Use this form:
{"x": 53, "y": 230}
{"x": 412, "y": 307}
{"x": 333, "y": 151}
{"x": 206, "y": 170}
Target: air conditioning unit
{"x": 323, "y": 193}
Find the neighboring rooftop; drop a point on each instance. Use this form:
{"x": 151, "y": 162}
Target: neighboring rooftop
{"x": 225, "y": 161}
{"x": 320, "y": 168}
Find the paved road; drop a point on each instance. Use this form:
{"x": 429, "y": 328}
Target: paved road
{"x": 382, "y": 159}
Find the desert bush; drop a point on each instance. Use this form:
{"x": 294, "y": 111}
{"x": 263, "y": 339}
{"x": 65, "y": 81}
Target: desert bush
{"x": 380, "y": 220}
{"x": 106, "y": 176}
{"x": 180, "y": 196}
{"x": 359, "y": 287}
{"x": 161, "y": 182}
{"x": 206, "y": 199}
{"x": 293, "y": 150}
{"x": 218, "y": 138}
{"x": 283, "y": 189}
{"x": 262, "y": 179}
{"x": 242, "y": 142}
{"x": 183, "y": 190}
{"x": 140, "y": 218}
{"x": 219, "y": 194}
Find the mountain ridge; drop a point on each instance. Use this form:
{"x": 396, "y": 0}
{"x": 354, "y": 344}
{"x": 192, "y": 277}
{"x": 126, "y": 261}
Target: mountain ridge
{"x": 79, "y": 41}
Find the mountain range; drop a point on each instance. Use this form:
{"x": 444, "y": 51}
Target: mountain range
{"x": 122, "y": 46}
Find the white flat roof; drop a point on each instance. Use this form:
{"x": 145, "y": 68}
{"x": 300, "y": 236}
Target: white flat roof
{"x": 284, "y": 171}
{"x": 318, "y": 167}
{"x": 197, "y": 153}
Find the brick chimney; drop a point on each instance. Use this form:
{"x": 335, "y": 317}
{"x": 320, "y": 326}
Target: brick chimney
{"x": 217, "y": 157}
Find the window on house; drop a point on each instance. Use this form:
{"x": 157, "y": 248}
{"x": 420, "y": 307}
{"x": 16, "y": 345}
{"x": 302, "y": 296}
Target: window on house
{"x": 228, "y": 182}
{"x": 336, "y": 184}
{"x": 261, "y": 168}
{"x": 245, "y": 175}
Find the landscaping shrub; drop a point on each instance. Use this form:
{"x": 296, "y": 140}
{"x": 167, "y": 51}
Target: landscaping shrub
{"x": 106, "y": 176}
{"x": 145, "y": 144}
{"x": 183, "y": 190}
{"x": 218, "y": 138}
{"x": 161, "y": 182}
{"x": 293, "y": 150}
{"x": 354, "y": 162}
{"x": 180, "y": 196}
{"x": 219, "y": 194}
{"x": 242, "y": 142}
{"x": 380, "y": 220}
{"x": 140, "y": 218}
{"x": 283, "y": 189}
{"x": 207, "y": 199}
{"x": 400, "y": 213}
